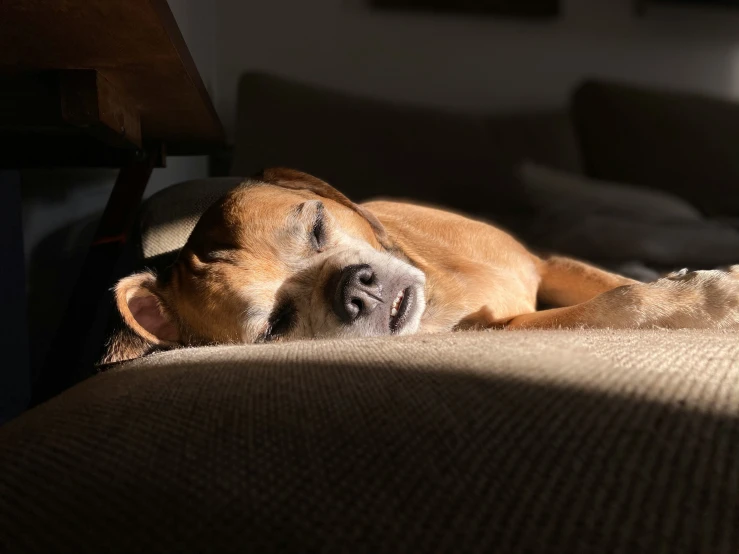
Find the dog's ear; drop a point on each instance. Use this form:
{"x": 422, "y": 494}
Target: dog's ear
{"x": 293, "y": 179}
{"x": 141, "y": 305}
{"x": 147, "y": 326}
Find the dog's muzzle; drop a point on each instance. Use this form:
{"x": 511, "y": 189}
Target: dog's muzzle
{"x": 358, "y": 293}
{"x": 382, "y": 304}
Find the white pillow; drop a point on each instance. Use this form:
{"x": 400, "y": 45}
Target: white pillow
{"x": 555, "y": 191}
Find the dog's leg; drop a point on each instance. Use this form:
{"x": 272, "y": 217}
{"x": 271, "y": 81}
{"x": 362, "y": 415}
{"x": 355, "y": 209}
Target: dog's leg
{"x": 563, "y": 282}
{"x": 566, "y": 282}
{"x": 694, "y": 300}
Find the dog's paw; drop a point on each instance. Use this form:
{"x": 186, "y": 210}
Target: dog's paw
{"x": 484, "y": 318}
{"x": 703, "y": 298}
{"x": 676, "y": 275}
{"x": 481, "y": 319}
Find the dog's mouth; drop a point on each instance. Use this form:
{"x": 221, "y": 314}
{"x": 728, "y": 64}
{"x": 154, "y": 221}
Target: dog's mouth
{"x": 400, "y": 309}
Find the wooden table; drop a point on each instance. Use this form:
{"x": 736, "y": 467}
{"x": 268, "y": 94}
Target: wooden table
{"x": 101, "y": 83}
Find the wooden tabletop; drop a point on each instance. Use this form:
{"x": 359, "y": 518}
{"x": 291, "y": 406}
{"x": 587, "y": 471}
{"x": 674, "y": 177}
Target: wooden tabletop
{"x": 136, "y": 48}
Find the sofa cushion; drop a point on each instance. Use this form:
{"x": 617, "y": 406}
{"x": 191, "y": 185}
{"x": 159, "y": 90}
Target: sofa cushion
{"x": 169, "y": 216}
{"x": 553, "y": 190}
{"x": 614, "y": 224}
{"x": 678, "y": 142}
{"x": 504, "y": 442}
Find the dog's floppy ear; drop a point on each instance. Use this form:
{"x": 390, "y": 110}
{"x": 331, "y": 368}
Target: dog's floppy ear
{"x": 141, "y": 305}
{"x": 147, "y": 325}
{"x": 294, "y": 179}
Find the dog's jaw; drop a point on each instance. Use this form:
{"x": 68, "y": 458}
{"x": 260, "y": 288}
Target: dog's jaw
{"x": 409, "y": 321}
{"x": 392, "y": 274}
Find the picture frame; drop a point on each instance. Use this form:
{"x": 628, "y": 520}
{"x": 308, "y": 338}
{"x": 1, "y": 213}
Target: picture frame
{"x": 506, "y": 8}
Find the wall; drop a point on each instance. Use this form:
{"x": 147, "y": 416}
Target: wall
{"x": 473, "y": 63}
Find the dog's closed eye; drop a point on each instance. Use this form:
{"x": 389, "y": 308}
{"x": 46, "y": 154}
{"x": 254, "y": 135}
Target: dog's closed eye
{"x": 280, "y": 322}
{"x": 318, "y": 230}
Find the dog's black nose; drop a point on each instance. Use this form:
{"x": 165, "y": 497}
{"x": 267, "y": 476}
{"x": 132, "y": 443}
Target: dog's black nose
{"x": 357, "y": 293}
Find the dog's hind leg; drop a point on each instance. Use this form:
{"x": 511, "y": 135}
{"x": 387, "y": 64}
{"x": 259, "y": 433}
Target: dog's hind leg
{"x": 684, "y": 300}
{"x": 562, "y": 282}
{"x": 566, "y": 282}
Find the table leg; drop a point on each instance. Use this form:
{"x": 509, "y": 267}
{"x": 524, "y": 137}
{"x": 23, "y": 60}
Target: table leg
{"x": 62, "y": 368}
{"x": 15, "y": 371}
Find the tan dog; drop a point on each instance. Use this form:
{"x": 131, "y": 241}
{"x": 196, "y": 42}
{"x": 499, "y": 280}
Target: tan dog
{"x": 288, "y": 257}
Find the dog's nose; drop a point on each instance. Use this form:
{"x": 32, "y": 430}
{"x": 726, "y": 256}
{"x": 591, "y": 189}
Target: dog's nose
{"x": 357, "y": 293}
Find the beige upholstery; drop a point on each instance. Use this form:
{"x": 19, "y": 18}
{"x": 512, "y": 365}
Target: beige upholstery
{"x": 507, "y": 442}
{"x": 167, "y": 218}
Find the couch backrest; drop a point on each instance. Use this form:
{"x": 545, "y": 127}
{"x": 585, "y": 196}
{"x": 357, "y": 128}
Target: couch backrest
{"x": 369, "y": 148}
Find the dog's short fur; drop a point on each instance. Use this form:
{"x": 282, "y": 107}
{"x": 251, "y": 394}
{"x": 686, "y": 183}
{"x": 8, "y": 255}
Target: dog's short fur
{"x": 286, "y": 256}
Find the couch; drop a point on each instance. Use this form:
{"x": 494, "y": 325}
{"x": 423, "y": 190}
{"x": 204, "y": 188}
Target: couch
{"x": 510, "y": 442}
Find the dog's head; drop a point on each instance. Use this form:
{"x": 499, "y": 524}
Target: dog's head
{"x": 282, "y": 257}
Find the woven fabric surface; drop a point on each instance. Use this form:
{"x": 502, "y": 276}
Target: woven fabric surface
{"x": 507, "y": 442}
{"x": 169, "y": 216}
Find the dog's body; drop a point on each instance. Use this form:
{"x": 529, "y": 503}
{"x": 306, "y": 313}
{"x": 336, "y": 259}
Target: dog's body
{"x": 288, "y": 257}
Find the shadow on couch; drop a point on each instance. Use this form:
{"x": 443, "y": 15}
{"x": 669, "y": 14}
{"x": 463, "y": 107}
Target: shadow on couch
{"x": 297, "y": 456}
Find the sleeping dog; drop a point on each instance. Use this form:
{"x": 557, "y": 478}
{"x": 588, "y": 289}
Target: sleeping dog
{"x": 286, "y": 256}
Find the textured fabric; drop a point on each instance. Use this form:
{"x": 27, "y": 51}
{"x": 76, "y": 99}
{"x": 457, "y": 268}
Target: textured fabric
{"x": 507, "y": 442}
{"x": 368, "y": 148}
{"x": 554, "y": 190}
{"x": 678, "y": 142}
{"x": 613, "y": 224}
{"x": 546, "y": 136}
{"x": 169, "y": 216}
